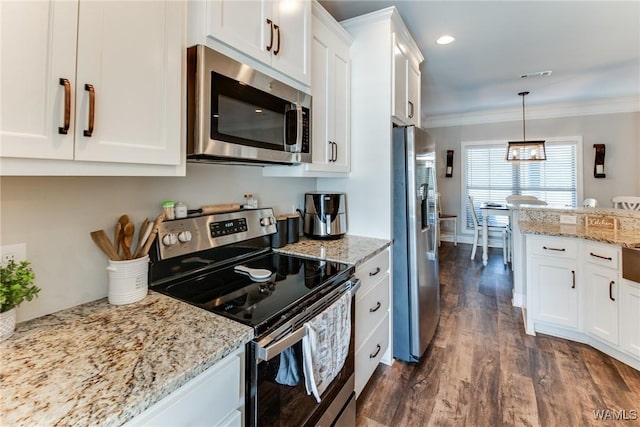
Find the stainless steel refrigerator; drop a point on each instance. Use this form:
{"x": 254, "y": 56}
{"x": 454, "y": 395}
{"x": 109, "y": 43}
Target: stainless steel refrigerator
{"x": 416, "y": 285}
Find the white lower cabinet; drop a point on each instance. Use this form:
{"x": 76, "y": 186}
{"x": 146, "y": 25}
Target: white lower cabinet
{"x": 575, "y": 291}
{"x": 552, "y": 294}
{"x": 213, "y": 398}
{"x": 372, "y": 317}
{"x": 629, "y": 296}
{"x": 602, "y": 291}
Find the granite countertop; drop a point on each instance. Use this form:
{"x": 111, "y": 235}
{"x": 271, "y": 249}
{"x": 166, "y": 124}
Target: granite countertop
{"x": 349, "y": 249}
{"x": 103, "y": 364}
{"x": 625, "y": 238}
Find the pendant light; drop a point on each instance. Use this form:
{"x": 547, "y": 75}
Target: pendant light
{"x": 523, "y": 151}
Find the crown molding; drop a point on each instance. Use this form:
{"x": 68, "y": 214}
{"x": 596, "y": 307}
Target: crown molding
{"x": 551, "y": 111}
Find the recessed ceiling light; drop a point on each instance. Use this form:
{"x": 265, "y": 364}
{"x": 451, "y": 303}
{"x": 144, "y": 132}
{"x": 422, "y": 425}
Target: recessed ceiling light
{"x": 536, "y": 74}
{"x": 446, "y": 39}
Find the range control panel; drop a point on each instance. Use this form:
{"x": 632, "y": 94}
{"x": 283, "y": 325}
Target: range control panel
{"x": 189, "y": 235}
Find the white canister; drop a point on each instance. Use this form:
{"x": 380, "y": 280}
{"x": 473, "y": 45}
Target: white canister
{"x": 180, "y": 210}
{"x": 128, "y": 280}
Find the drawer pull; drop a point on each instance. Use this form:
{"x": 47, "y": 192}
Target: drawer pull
{"x": 608, "y": 258}
{"x": 376, "y": 308}
{"x": 373, "y": 355}
{"x": 573, "y": 274}
{"x": 611, "y": 283}
{"x": 92, "y": 109}
{"x": 554, "y": 249}
{"x": 375, "y": 272}
{"x": 64, "y": 129}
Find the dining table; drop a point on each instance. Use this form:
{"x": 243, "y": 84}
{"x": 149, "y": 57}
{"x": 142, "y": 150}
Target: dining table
{"x": 491, "y": 209}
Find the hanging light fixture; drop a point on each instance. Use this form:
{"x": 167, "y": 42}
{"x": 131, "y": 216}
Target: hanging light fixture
{"x": 524, "y": 150}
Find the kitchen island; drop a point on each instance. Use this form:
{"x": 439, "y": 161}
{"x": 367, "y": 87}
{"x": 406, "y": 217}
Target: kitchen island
{"x": 100, "y": 364}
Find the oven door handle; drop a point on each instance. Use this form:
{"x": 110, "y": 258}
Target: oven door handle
{"x": 270, "y": 351}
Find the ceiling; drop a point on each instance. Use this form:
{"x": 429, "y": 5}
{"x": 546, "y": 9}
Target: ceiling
{"x": 592, "y": 48}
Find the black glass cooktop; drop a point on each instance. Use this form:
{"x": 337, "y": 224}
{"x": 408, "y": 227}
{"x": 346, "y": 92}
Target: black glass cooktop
{"x": 291, "y": 282}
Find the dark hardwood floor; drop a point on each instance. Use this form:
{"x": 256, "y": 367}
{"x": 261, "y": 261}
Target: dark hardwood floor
{"x": 483, "y": 370}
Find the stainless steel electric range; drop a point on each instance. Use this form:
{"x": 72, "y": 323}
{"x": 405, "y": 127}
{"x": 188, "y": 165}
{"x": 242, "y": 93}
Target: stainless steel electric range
{"x": 223, "y": 263}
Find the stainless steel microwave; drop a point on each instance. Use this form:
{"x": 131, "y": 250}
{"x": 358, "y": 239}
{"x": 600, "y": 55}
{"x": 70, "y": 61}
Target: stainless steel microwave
{"x": 236, "y": 114}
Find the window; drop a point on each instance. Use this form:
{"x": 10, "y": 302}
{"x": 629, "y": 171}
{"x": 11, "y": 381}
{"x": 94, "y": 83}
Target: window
{"x": 489, "y": 177}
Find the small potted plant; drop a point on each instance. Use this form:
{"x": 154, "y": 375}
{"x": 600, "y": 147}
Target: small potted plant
{"x": 16, "y": 285}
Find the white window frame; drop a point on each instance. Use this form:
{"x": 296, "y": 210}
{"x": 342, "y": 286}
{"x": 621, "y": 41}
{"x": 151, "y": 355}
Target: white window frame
{"x": 577, "y": 140}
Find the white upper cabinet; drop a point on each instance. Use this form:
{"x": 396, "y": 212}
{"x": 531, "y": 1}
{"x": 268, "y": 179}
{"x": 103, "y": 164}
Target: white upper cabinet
{"x": 274, "y": 32}
{"x": 406, "y": 78}
{"x": 95, "y": 83}
{"x": 331, "y": 107}
{"x": 38, "y": 48}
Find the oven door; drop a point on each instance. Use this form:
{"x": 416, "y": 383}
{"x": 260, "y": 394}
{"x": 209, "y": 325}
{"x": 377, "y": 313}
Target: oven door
{"x": 271, "y": 402}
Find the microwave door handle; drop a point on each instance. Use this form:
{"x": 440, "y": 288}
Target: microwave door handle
{"x": 298, "y": 128}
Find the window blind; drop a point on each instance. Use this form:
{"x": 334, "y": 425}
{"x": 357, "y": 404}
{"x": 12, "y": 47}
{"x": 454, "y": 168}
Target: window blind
{"x": 489, "y": 177}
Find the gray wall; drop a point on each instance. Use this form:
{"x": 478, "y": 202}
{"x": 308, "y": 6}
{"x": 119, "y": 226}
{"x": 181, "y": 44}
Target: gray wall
{"x": 54, "y": 215}
{"x": 619, "y": 132}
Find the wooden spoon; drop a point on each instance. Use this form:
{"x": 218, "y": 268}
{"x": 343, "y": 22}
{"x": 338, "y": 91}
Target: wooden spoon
{"x": 117, "y": 236}
{"x": 101, "y": 239}
{"x": 152, "y": 236}
{"x": 129, "y": 230}
{"x": 141, "y": 232}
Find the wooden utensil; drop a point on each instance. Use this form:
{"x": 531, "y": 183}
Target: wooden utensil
{"x": 140, "y": 242}
{"x": 101, "y": 240}
{"x": 129, "y": 230}
{"x": 152, "y": 236}
{"x": 117, "y": 236}
{"x": 145, "y": 237}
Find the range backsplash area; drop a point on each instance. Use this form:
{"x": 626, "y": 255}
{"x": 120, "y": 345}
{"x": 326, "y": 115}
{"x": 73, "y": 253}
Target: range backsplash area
{"x": 54, "y": 215}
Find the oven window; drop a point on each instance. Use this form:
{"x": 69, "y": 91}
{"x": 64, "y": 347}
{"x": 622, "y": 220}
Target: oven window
{"x": 289, "y": 405}
{"x": 245, "y": 115}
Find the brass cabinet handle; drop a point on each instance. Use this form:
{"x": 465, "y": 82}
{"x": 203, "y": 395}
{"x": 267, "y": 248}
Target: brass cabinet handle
{"x": 573, "y": 273}
{"x": 378, "y": 348}
{"x": 611, "y": 283}
{"x": 411, "y": 113}
{"x": 608, "y": 258}
{"x": 376, "y": 308}
{"x": 92, "y": 109}
{"x": 275, "y": 52}
{"x": 375, "y": 272}
{"x": 64, "y": 129}
{"x": 270, "y": 22}
{"x": 554, "y": 249}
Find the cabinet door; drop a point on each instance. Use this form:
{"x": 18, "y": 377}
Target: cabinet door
{"x": 554, "y": 291}
{"x": 630, "y": 317}
{"x": 413, "y": 94}
{"x": 242, "y": 25}
{"x": 601, "y": 316}
{"x": 132, "y": 54}
{"x": 291, "y": 54}
{"x": 400, "y": 79}
{"x": 37, "y": 48}
{"x": 331, "y": 101}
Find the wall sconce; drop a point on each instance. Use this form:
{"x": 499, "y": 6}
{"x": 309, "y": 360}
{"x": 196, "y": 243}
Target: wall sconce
{"x": 520, "y": 151}
{"x": 598, "y": 165}
{"x": 449, "y": 170}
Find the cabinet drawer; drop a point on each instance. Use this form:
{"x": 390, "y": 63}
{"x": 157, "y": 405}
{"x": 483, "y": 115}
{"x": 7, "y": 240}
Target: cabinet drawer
{"x": 600, "y": 254}
{"x": 371, "y": 309}
{"x": 369, "y": 355}
{"x": 373, "y": 269}
{"x": 553, "y": 246}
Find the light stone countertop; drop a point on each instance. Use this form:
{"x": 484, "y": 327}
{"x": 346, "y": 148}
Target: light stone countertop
{"x": 625, "y": 238}
{"x": 100, "y": 364}
{"x": 348, "y": 249}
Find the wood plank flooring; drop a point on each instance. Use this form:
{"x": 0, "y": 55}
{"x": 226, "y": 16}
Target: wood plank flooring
{"x": 483, "y": 370}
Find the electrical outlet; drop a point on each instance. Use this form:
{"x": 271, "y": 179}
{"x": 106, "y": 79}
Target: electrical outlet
{"x": 17, "y": 253}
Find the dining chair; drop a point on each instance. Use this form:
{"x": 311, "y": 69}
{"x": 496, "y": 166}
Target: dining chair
{"x": 477, "y": 229}
{"x": 590, "y": 203}
{"x": 631, "y": 203}
{"x": 447, "y": 217}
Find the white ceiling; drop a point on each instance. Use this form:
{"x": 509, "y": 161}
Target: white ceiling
{"x": 592, "y": 47}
